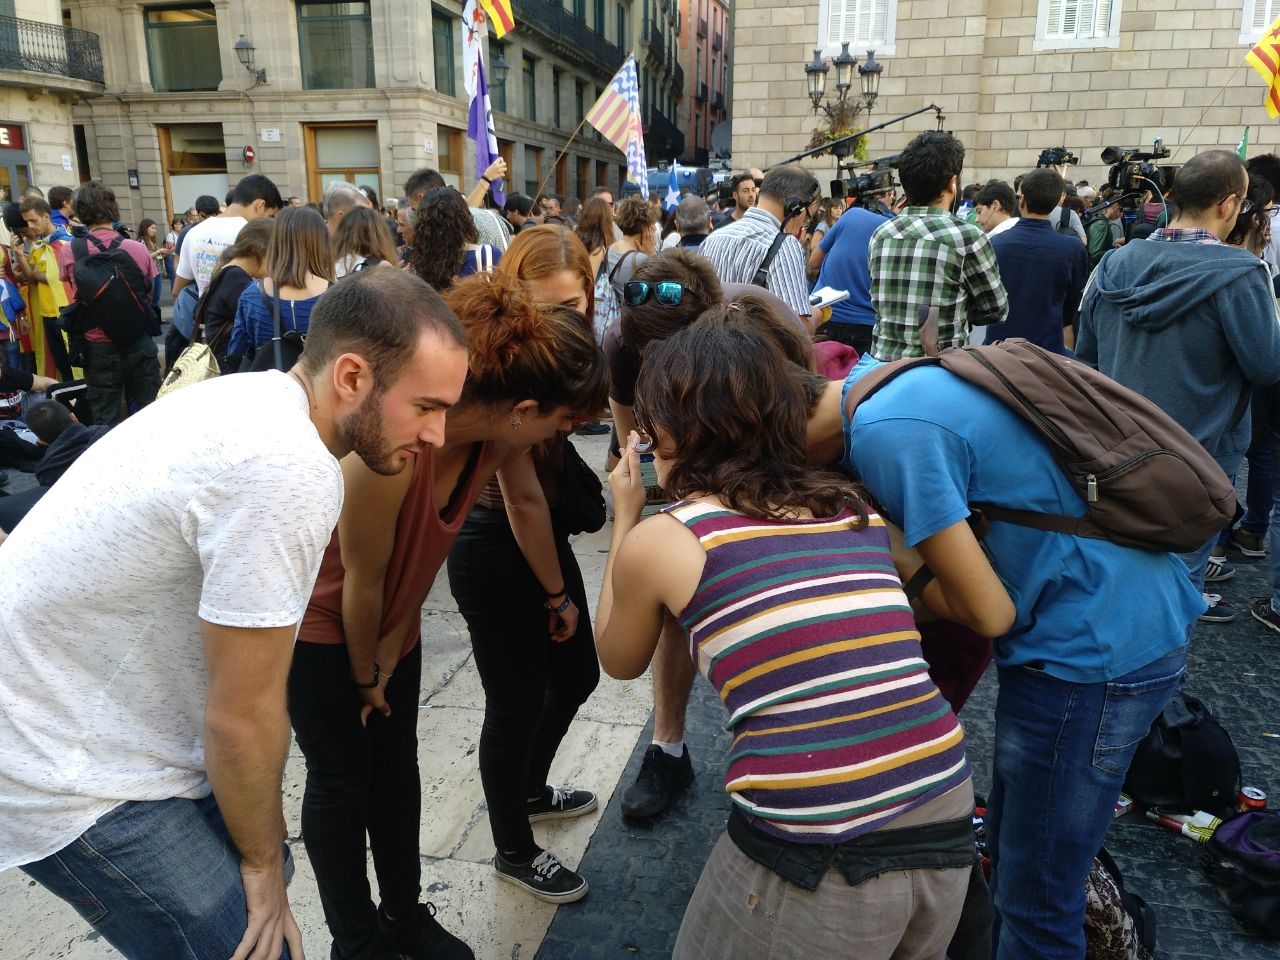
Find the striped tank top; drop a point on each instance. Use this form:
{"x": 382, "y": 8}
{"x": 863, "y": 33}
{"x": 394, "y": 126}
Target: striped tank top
{"x": 803, "y": 629}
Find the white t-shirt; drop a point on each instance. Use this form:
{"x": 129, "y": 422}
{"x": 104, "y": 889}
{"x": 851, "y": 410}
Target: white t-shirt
{"x": 215, "y": 502}
{"x": 204, "y": 245}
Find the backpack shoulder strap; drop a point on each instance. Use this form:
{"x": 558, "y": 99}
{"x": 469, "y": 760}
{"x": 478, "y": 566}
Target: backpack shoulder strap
{"x": 79, "y": 248}
{"x": 877, "y": 378}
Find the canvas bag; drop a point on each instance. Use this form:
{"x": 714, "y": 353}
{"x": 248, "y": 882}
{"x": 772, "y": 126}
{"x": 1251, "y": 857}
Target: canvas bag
{"x": 1144, "y": 480}
{"x": 608, "y": 306}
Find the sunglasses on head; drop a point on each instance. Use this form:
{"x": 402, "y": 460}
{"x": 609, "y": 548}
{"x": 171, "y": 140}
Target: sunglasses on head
{"x": 669, "y": 293}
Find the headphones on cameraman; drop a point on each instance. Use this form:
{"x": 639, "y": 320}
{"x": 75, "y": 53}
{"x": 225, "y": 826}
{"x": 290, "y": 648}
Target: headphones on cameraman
{"x": 794, "y": 207}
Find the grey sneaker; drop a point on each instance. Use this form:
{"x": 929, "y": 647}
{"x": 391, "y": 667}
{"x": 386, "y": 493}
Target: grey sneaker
{"x": 1249, "y": 544}
{"x": 1262, "y": 611}
{"x": 544, "y": 876}
{"x": 561, "y": 803}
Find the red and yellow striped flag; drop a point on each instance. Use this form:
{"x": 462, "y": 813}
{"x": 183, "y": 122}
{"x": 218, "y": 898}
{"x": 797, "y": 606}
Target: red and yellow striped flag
{"x": 501, "y": 19}
{"x": 1265, "y": 58}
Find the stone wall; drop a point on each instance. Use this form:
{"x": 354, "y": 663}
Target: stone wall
{"x": 977, "y": 60}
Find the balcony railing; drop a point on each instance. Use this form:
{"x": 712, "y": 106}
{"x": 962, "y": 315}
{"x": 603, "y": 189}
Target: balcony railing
{"x": 702, "y": 93}
{"x": 567, "y": 35}
{"x": 662, "y": 138}
{"x": 702, "y": 27}
{"x": 719, "y": 102}
{"x": 717, "y": 42}
{"x": 31, "y": 46}
{"x": 653, "y": 36}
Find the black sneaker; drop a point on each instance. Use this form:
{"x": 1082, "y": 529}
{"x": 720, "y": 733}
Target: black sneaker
{"x": 419, "y": 936}
{"x": 1218, "y": 570}
{"x": 662, "y": 777}
{"x": 1262, "y": 611}
{"x": 544, "y": 876}
{"x": 561, "y": 804}
{"x": 1218, "y": 612}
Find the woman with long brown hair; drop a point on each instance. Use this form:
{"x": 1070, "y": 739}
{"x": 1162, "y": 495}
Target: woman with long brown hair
{"x": 354, "y": 686}
{"x": 299, "y": 269}
{"x": 534, "y": 682}
{"x": 596, "y": 229}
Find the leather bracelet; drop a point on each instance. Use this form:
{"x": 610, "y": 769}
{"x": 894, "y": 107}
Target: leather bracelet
{"x": 919, "y": 580}
{"x": 486, "y": 179}
{"x": 377, "y": 675}
{"x": 559, "y": 593}
{"x": 561, "y": 608}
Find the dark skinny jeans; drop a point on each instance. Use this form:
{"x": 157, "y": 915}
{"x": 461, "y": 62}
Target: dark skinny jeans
{"x": 359, "y": 780}
{"x": 532, "y": 686}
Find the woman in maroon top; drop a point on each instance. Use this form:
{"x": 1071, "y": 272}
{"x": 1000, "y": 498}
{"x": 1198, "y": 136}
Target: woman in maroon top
{"x": 354, "y": 686}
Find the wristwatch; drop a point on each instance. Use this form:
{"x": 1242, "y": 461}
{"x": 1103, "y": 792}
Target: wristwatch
{"x": 377, "y": 675}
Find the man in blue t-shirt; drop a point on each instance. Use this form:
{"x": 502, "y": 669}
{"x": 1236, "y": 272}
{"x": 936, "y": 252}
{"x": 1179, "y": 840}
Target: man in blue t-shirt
{"x": 1093, "y": 648}
{"x": 842, "y": 256}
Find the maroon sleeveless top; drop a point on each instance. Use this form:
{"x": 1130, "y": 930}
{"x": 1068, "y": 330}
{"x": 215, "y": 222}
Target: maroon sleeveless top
{"x": 423, "y": 540}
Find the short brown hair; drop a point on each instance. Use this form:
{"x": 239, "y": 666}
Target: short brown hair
{"x": 634, "y": 216}
{"x": 380, "y": 315}
{"x": 363, "y": 232}
{"x": 1207, "y": 179}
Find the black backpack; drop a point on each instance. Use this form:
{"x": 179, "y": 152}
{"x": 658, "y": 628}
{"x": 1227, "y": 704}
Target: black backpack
{"x": 1245, "y": 853}
{"x": 1186, "y": 762}
{"x": 111, "y": 293}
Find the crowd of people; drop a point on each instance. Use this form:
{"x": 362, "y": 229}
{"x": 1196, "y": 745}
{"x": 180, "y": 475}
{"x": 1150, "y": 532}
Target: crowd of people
{"x": 249, "y": 555}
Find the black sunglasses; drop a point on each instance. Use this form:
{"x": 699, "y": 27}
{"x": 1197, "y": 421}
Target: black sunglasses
{"x": 669, "y": 293}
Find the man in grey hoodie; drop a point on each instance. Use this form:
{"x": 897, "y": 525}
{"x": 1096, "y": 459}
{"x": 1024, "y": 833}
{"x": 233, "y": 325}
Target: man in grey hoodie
{"x": 1187, "y": 321}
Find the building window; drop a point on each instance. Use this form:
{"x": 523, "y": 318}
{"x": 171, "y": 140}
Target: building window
{"x": 580, "y": 10}
{"x": 530, "y": 91}
{"x": 449, "y": 155}
{"x": 194, "y": 162}
{"x": 600, "y": 25}
{"x": 182, "y": 49}
{"x": 622, "y": 27}
{"x": 442, "y": 46}
{"x": 342, "y": 151}
{"x": 555, "y": 97}
{"x": 336, "y": 44}
{"x": 1258, "y": 17}
{"x": 532, "y": 170}
{"x": 1077, "y": 23}
{"x": 865, "y": 24}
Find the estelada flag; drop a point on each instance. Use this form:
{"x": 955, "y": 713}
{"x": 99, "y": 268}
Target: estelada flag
{"x": 1265, "y": 58}
{"x": 501, "y": 20}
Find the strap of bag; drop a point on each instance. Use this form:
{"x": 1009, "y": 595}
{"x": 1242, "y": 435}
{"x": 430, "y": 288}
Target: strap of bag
{"x": 618, "y": 265}
{"x": 277, "y": 336}
{"x": 761, "y": 279}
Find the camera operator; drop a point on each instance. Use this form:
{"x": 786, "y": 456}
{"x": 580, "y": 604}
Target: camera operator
{"x": 1105, "y": 228}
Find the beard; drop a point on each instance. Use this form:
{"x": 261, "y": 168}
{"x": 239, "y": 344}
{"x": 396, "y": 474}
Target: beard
{"x": 362, "y": 433}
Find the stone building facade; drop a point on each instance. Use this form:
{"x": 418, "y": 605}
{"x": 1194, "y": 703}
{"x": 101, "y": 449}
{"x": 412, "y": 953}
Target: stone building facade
{"x": 362, "y": 90}
{"x": 45, "y": 68}
{"x": 1013, "y": 77}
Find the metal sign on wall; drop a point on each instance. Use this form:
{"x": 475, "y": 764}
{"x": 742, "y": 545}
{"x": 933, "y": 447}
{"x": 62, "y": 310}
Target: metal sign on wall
{"x": 11, "y": 137}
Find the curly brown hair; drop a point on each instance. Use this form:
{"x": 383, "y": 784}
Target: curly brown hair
{"x": 634, "y": 216}
{"x": 441, "y": 233}
{"x": 734, "y": 414}
{"x": 519, "y": 349}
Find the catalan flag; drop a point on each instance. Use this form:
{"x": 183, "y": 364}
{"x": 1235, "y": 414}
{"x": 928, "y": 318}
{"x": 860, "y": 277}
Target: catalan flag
{"x": 501, "y": 20}
{"x": 1265, "y": 58}
{"x": 617, "y": 116}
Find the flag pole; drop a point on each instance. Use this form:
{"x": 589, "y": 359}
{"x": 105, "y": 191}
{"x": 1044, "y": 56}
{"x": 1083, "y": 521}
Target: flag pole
{"x": 1209, "y": 107}
{"x": 569, "y": 142}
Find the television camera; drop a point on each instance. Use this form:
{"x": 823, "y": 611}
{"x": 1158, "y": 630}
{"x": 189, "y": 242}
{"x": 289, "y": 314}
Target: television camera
{"x": 1133, "y": 172}
{"x": 1056, "y": 157}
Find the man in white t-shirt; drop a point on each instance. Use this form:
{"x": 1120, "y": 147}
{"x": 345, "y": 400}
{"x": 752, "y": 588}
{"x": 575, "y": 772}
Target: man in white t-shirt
{"x": 146, "y": 676}
{"x": 254, "y": 196}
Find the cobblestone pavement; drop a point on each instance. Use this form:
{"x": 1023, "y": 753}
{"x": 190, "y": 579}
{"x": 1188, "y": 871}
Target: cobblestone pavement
{"x": 643, "y": 874}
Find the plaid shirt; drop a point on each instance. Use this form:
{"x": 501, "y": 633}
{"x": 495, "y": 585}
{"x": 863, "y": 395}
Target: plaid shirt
{"x": 924, "y": 257}
{"x": 1183, "y": 235}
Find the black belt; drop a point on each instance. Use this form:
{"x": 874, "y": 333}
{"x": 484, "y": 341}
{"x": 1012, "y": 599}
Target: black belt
{"x": 927, "y": 846}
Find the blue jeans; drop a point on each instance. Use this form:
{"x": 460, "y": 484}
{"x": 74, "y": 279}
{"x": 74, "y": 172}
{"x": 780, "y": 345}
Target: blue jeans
{"x": 1061, "y": 754}
{"x": 159, "y": 880}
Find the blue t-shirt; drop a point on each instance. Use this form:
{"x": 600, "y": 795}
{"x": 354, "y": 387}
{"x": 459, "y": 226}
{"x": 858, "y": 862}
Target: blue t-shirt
{"x": 927, "y": 444}
{"x": 255, "y": 321}
{"x": 846, "y": 266}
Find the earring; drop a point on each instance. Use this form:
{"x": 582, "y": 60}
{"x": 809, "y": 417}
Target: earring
{"x": 515, "y": 423}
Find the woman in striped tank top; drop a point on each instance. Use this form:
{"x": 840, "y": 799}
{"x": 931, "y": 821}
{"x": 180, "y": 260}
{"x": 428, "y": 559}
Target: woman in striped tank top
{"x": 849, "y": 832}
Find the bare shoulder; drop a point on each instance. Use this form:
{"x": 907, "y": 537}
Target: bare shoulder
{"x": 667, "y": 555}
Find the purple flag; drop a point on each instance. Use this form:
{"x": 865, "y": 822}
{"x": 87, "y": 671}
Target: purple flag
{"x": 480, "y": 129}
